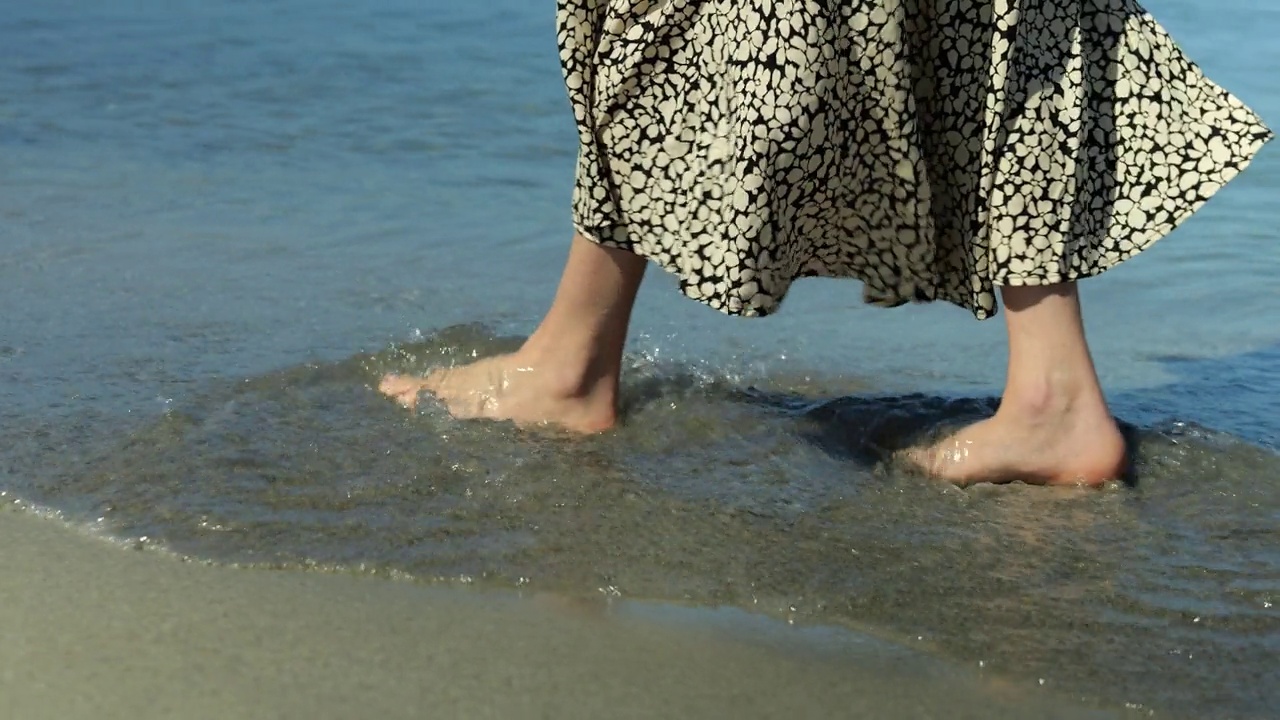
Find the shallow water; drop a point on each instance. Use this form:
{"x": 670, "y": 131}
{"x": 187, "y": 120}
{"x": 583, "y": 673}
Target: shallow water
{"x": 222, "y": 221}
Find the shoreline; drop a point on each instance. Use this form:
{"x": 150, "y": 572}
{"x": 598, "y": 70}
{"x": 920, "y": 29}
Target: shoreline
{"x": 95, "y": 630}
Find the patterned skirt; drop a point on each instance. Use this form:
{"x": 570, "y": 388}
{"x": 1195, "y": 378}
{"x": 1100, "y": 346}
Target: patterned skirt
{"x": 933, "y": 149}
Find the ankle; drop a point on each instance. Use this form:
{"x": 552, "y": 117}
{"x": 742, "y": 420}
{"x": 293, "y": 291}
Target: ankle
{"x": 571, "y": 370}
{"x": 1051, "y": 398}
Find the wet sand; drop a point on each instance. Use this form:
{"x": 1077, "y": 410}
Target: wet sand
{"x": 94, "y": 630}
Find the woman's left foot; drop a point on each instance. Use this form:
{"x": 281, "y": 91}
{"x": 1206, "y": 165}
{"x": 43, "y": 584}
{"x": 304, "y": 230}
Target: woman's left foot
{"x": 1069, "y": 447}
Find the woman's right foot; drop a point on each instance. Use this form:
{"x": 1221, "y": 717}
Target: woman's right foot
{"x": 511, "y": 387}
{"x": 1064, "y": 446}
{"x": 566, "y": 374}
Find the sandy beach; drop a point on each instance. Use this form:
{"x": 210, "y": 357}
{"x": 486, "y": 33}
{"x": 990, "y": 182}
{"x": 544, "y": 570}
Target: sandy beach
{"x": 93, "y": 630}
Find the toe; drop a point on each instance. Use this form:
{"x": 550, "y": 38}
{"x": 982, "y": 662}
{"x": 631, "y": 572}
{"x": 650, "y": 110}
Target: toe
{"x": 921, "y": 459}
{"x": 393, "y": 384}
{"x": 434, "y": 380}
{"x": 403, "y": 390}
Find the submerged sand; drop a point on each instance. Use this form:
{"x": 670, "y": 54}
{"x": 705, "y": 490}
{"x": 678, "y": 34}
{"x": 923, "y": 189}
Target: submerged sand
{"x": 93, "y": 630}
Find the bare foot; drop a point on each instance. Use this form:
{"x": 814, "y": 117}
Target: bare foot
{"x": 1067, "y": 448}
{"x": 508, "y": 387}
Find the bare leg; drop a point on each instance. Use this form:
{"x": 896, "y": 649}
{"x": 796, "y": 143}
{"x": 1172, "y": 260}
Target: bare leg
{"x": 1053, "y": 426}
{"x": 566, "y": 374}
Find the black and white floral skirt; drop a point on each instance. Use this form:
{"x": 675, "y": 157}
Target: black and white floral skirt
{"x": 933, "y": 149}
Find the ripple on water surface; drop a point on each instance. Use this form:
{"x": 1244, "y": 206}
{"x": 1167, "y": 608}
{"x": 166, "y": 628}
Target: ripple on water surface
{"x": 771, "y": 493}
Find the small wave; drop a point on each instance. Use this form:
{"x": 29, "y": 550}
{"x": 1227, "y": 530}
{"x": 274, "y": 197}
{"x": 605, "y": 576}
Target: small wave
{"x": 772, "y": 491}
